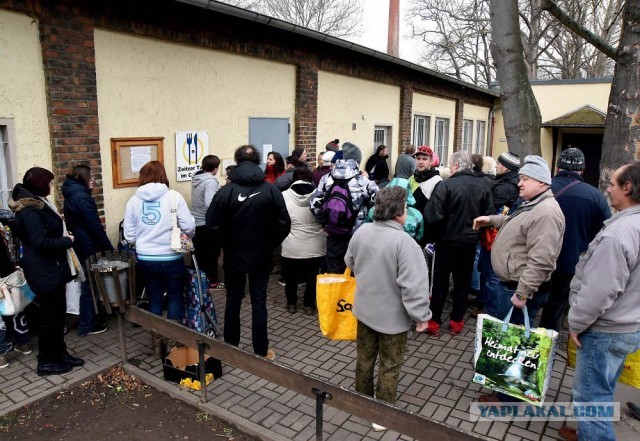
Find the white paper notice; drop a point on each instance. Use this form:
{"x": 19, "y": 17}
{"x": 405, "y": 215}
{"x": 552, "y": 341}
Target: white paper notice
{"x": 266, "y": 149}
{"x": 139, "y": 157}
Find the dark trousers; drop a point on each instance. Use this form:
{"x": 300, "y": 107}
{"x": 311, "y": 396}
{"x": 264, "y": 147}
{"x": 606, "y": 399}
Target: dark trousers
{"x": 53, "y": 308}
{"x": 558, "y": 302}
{"x": 390, "y": 348}
{"x": 207, "y": 254}
{"x": 235, "y": 284}
{"x": 336, "y": 250}
{"x": 298, "y": 271}
{"x": 456, "y": 259}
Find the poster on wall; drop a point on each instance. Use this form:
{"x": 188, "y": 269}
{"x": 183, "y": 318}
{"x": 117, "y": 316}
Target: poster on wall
{"x": 191, "y": 147}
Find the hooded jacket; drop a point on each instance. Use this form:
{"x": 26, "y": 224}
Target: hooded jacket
{"x": 363, "y": 191}
{"x": 148, "y": 223}
{"x": 528, "y": 243}
{"x": 505, "y": 191}
{"x": 81, "y": 216}
{"x": 44, "y": 247}
{"x": 204, "y": 187}
{"x": 605, "y": 292}
{"x": 306, "y": 239}
{"x": 405, "y": 166}
{"x": 248, "y": 219}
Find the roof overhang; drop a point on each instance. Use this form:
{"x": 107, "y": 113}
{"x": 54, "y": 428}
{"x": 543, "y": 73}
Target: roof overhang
{"x": 585, "y": 117}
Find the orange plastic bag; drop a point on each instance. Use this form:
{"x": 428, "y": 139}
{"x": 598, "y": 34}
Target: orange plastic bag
{"x": 334, "y": 297}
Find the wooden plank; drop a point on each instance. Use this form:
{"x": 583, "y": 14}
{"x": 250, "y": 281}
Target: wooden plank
{"x": 352, "y": 402}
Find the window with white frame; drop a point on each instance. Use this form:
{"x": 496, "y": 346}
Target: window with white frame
{"x": 467, "y": 135}
{"x": 442, "y": 139}
{"x": 421, "y": 124}
{"x": 6, "y": 165}
{"x": 481, "y": 127}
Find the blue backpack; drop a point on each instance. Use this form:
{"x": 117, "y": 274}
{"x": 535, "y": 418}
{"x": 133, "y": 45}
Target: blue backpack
{"x": 339, "y": 217}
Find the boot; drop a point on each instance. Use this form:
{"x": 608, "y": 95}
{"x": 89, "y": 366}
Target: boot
{"x": 156, "y": 343}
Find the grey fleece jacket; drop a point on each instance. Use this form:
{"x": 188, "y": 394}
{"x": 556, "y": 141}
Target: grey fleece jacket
{"x": 204, "y": 186}
{"x": 392, "y": 277}
{"x": 605, "y": 292}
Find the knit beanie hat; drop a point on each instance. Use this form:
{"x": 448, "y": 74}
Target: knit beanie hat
{"x": 536, "y": 168}
{"x": 333, "y": 146}
{"x": 510, "y": 160}
{"x": 351, "y": 151}
{"x": 327, "y": 157}
{"x": 337, "y": 156}
{"x": 571, "y": 159}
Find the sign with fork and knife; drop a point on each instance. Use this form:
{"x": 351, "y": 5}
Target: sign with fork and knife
{"x": 191, "y": 147}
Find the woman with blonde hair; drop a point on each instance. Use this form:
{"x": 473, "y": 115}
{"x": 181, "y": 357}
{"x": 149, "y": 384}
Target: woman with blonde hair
{"x": 148, "y": 223}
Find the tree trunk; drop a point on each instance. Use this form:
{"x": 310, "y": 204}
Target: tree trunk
{"x": 621, "y": 143}
{"x": 522, "y": 121}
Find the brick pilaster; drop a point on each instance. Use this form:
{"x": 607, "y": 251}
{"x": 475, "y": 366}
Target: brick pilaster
{"x": 406, "y": 117}
{"x": 458, "y": 123}
{"x": 306, "y": 116}
{"x": 68, "y": 58}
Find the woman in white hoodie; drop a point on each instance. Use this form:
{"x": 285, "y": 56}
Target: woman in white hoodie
{"x": 306, "y": 244}
{"x": 147, "y": 222}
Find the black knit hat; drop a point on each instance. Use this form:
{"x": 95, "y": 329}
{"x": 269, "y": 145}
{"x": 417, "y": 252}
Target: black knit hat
{"x": 510, "y": 160}
{"x": 571, "y": 159}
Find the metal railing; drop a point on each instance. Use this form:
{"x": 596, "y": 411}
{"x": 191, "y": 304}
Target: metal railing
{"x": 354, "y": 403}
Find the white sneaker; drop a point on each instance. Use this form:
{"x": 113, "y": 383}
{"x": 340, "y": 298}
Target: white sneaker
{"x": 378, "y": 427}
{"x": 4, "y": 362}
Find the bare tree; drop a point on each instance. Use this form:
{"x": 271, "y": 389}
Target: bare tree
{"x": 522, "y": 120}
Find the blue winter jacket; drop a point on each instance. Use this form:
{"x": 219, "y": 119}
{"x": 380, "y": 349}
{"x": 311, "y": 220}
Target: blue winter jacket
{"x": 81, "y": 216}
{"x": 585, "y": 209}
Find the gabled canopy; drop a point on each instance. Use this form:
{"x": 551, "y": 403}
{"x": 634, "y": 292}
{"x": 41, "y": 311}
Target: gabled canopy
{"x": 586, "y": 116}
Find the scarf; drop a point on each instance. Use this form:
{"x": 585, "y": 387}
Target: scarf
{"x": 425, "y": 175}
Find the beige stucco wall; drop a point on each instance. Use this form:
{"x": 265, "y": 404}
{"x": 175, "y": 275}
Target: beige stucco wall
{"x": 22, "y": 91}
{"x": 343, "y": 101}
{"x": 149, "y": 87}
{"x": 554, "y": 101}
{"x": 434, "y": 107}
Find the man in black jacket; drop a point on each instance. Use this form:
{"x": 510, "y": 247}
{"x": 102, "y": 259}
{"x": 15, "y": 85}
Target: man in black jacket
{"x": 449, "y": 214}
{"x": 248, "y": 219}
{"x": 505, "y": 191}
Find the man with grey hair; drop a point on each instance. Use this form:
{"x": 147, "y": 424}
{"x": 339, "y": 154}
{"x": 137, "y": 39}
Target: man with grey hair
{"x": 449, "y": 215}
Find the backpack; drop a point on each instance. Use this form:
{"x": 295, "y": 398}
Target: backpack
{"x": 338, "y": 214}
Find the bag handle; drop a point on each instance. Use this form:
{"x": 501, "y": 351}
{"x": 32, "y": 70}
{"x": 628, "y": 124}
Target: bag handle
{"x": 527, "y": 325}
{"x": 347, "y": 273}
{"x": 174, "y": 208}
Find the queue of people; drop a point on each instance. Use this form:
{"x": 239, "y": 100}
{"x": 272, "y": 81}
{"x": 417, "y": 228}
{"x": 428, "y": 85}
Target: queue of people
{"x": 520, "y": 230}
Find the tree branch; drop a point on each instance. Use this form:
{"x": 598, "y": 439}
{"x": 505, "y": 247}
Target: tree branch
{"x": 551, "y": 7}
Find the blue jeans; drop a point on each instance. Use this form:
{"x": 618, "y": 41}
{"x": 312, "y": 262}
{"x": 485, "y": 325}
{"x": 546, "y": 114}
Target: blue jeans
{"x": 475, "y": 274}
{"x": 500, "y": 305}
{"x": 162, "y": 277}
{"x": 20, "y": 331}
{"x": 235, "y": 284}
{"x": 599, "y": 364}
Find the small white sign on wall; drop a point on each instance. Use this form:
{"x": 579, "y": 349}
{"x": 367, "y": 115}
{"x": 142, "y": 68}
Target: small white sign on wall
{"x": 191, "y": 147}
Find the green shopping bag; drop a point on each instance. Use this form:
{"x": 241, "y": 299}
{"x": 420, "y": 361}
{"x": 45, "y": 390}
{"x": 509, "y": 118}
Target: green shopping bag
{"x": 514, "y": 359}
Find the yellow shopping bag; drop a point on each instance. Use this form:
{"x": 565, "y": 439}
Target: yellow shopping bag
{"x": 334, "y": 297}
{"x": 630, "y": 373}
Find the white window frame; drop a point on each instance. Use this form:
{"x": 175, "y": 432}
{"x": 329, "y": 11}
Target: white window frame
{"x": 386, "y": 137}
{"x": 426, "y": 130}
{"x": 8, "y": 171}
{"x": 467, "y": 135}
{"x": 441, "y": 139}
{"x": 481, "y": 135}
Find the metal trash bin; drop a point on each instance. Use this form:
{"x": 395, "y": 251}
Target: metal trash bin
{"x": 106, "y": 270}
{"x": 112, "y": 277}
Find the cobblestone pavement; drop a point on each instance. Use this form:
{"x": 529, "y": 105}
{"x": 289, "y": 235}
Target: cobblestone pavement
{"x": 435, "y": 380}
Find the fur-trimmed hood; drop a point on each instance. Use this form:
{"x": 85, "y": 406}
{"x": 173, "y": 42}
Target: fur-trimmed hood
{"x": 22, "y": 198}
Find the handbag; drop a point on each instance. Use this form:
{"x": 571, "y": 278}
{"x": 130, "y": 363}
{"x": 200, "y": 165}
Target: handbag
{"x": 514, "y": 359}
{"x": 334, "y": 297}
{"x": 180, "y": 242}
{"x": 15, "y": 294}
{"x": 73, "y": 290}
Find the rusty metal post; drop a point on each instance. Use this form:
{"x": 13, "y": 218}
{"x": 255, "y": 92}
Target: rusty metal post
{"x": 320, "y": 397}
{"x": 202, "y": 372}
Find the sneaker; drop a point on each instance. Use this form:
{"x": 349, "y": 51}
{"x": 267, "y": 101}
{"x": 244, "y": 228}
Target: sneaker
{"x": 568, "y": 434}
{"x": 292, "y": 308}
{"x": 476, "y": 311}
{"x": 4, "y": 361}
{"x": 271, "y": 355}
{"x": 24, "y": 349}
{"x": 216, "y": 286}
{"x": 309, "y": 310}
{"x": 98, "y": 329}
{"x": 281, "y": 282}
{"x": 455, "y": 328}
{"x": 433, "y": 328}
{"x": 378, "y": 427}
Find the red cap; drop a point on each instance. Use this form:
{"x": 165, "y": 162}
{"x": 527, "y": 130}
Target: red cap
{"x": 424, "y": 150}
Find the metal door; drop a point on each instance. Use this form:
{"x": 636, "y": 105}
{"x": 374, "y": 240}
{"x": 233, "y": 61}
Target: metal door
{"x": 269, "y": 134}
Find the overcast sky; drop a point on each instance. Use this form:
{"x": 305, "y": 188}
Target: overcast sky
{"x": 375, "y": 20}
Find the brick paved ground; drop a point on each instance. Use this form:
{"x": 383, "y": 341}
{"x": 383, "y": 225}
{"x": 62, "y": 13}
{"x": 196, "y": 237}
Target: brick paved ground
{"x": 435, "y": 380}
